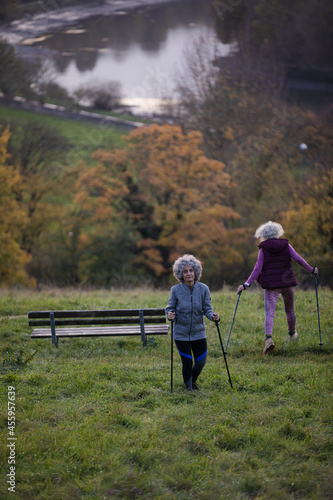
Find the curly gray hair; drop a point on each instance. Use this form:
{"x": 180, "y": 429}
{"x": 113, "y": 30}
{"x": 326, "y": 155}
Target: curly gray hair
{"x": 187, "y": 260}
{"x": 269, "y": 230}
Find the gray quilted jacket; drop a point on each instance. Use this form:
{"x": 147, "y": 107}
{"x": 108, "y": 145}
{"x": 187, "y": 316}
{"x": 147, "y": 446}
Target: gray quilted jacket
{"x": 190, "y": 305}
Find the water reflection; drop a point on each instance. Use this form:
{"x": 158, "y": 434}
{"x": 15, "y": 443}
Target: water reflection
{"x": 141, "y": 48}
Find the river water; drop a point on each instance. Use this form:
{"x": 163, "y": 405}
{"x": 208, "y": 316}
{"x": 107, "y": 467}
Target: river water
{"x": 142, "y": 47}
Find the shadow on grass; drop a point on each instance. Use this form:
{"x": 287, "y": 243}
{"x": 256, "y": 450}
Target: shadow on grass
{"x": 281, "y": 351}
{"x": 301, "y": 350}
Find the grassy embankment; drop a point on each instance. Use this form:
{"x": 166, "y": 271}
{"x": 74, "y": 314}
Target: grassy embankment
{"x": 95, "y": 419}
{"x": 84, "y": 137}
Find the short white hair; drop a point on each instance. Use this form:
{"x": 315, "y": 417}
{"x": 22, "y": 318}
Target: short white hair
{"x": 187, "y": 260}
{"x": 269, "y": 230}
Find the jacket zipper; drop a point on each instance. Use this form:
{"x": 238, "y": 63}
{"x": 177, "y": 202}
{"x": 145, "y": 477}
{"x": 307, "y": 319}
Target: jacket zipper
{"x": 191, "y": 291}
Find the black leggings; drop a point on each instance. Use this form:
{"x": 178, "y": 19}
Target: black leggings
{"x": 185, "y": 349}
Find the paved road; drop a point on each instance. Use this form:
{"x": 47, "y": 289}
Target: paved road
{"x": 60, "y": 111}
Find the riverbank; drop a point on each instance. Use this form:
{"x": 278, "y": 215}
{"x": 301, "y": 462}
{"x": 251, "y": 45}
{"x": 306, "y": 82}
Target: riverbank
{"x": 28, "y": 34}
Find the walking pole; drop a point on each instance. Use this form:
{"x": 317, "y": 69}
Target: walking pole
{"x": 171, "y": 355}
{"x": 316, "y": 282}
{"x": 225, "y": 359}
{"x": 233, "y": 319}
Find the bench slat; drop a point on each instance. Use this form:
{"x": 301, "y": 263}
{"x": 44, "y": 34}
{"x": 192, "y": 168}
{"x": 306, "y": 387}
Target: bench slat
{"x": 80, "y": 323}
{"x": 97, "y": 314}
{"x": 101, "y": 331}
{"x": 109, "y": 321}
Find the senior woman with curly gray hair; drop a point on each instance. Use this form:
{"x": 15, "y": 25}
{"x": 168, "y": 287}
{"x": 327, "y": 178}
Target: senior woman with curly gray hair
{"x": 274, "y": 273}
{"x": 189, "y": 301}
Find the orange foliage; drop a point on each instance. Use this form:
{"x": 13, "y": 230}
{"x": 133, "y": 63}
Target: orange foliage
{"x": 175, "y": 196}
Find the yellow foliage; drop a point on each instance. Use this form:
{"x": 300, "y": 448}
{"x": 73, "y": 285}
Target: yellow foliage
{"x": 4, "y": 138}
{"x": 309, "y": 224}
{"x": 12, "y": 221}
{"x": 228, "y": 133}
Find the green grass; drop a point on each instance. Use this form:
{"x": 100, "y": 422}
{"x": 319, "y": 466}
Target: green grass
{"x": 85, "y": 137}
{"x": 96, "y": 419}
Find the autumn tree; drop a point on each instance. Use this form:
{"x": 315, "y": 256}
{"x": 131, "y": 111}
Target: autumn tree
{"x": 13, "y": 259}
{"x": 105, "y": 236}
{"x": 239, "y": 105}
{"x": 309, "y": 222}
{"x": 174, "y": 197}
{"x": 16, "y": 75}
{"x": 45, "y": 196}
{"x": 38, "y": 151}
{"x": 243, "y": 125}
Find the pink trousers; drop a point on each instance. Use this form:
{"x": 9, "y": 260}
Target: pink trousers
{"x": 271, "y": 298}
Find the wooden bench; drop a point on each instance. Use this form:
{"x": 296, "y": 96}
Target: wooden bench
{"x": 122, "y": 322}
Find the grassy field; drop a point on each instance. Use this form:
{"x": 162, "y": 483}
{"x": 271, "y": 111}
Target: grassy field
{"x": 95, "y": 419}
{"x": 84, "y": 137}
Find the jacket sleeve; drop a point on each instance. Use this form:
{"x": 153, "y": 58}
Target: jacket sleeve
{"x": 297, "y": 258}
{"x": 172, "y": 301}
{"x": 257, "y": 268}
{"x": 206, "y": 304}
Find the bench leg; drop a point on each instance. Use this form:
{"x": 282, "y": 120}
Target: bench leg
{"x": 142, "y": 326}
{"x": 54, "y": 336}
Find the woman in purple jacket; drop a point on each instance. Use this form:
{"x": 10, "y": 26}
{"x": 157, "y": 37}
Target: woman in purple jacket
{"x": 188, "y": 303}
{"x": 274, "y": 273}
